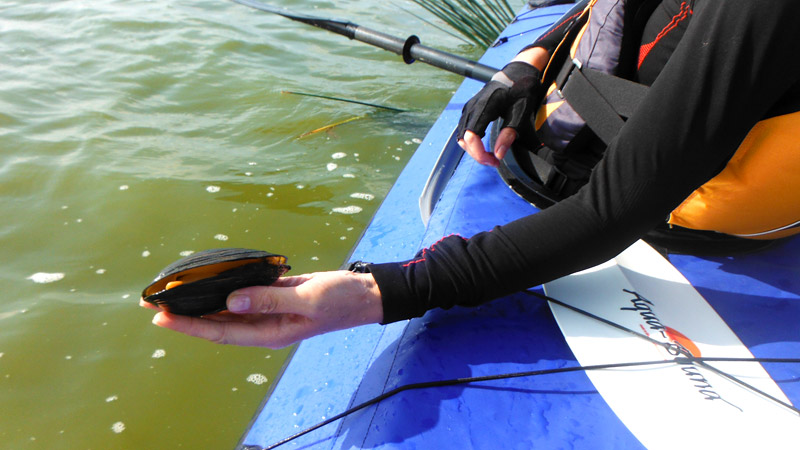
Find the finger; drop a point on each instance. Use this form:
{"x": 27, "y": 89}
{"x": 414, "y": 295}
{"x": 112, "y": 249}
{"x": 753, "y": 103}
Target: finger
{"x": 267, "y": 300}
{"x": 474, "y": 146}
{"x": 291, "y": 281}
{"x": 192, "y": 326}
{"x": 505, "y": 139}
{"x": 272, "y": 331}
{"x": 148, "y": 305}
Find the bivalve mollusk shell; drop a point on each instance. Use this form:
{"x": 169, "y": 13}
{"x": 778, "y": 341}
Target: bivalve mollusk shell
{"x": 199, "y": 284}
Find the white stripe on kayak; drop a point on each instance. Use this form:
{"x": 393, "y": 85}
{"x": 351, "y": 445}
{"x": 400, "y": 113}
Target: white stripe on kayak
{"x": 674, "y": 406}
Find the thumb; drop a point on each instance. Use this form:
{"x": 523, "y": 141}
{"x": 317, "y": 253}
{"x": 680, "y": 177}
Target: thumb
{"x": 264, "y": 300}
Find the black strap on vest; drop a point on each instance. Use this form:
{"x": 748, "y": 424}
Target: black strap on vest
{"x": 602, "y": 100}
{"x": 551, "y": 177}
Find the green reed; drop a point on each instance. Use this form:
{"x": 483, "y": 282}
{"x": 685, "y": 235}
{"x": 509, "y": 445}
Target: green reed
{"x": 479, "y": 21}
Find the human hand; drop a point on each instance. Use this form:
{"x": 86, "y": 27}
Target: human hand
{"x": 473, "y": 145}
{"x": 512, "y": 94}
{"x": 292, "y": 309}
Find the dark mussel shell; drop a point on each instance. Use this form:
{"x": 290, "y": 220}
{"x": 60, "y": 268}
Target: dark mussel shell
{"x": 203, "y": 280}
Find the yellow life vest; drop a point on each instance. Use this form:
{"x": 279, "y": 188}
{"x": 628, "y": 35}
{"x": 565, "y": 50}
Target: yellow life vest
{"x": 757, "y": 194}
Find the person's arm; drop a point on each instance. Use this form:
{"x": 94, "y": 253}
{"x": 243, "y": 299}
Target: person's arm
{"x": 731, "y": 66}
{"x": 292, "y": 309}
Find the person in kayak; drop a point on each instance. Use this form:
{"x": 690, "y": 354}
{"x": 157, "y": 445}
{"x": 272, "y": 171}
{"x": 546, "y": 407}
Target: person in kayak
{"x": 732, "y": 66}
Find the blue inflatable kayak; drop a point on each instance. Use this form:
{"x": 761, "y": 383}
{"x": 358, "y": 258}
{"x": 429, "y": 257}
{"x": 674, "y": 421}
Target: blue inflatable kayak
{"x": 580, "y": 383}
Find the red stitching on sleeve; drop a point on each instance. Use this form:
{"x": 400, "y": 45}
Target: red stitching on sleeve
{"x": 432, "y": 248}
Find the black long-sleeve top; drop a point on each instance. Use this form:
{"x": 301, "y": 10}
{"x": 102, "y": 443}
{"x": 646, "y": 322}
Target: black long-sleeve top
{"x": 736, "y": 63}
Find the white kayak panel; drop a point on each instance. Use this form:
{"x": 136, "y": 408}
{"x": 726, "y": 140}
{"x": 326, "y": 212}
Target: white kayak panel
{"x": 674, "y": 405}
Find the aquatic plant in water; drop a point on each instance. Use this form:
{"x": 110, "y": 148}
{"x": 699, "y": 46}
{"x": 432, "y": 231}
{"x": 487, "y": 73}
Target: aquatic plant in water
{"x": 479, "y": 21}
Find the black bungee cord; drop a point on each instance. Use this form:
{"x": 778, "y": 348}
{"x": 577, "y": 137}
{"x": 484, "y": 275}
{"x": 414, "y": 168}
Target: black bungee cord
{"x": 503, "y": 39}
{"x": 679, "y": 350}
{"x": 682, "y": 356}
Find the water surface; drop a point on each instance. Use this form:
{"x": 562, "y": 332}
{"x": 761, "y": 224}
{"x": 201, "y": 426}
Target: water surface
{"x": 135, "y": 132}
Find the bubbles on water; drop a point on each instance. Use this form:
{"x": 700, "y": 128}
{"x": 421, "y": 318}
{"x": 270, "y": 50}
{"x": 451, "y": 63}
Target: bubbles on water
{"x": 124, "y": 187}
{"x": 100, "y": 271}
{"x": 145, "y": 253}
{"x": 362, "y": 196}
{"x": 68, "y": 357}
{"x": 338, "y": 155}
{"x": 257, "y": 378}
{"x": 159, "y": 353}
{"x": 186, "y": 252}
{"x": 300, "y": 186}
{"x": 118, "y": 427}
{"x": 348, "y": 175}
{"x": 332, "y": 166}
{"x": 112, "y": 398}
{"x": 220, "y": 237}
{"x": 213, "y": 189}
{"x": 44, "y": 277}
{"x": 352, "y": 209}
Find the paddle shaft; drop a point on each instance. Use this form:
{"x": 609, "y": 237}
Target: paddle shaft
{"x": 410, "y": 48}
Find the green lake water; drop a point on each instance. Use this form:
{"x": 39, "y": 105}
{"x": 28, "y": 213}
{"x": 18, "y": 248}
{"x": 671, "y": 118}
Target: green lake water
{"x": 133, "y": 132}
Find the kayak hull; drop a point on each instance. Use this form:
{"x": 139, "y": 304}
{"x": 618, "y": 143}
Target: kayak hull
{"x": 757, "y": 295}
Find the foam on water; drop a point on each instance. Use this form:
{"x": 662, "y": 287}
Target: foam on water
{"x": 45, "y": 277}
{"x": 352, "y": 209}
{"x": 362, "y": 196}
{"x": 257, "y": 378}
{"x": 118, "y": 427}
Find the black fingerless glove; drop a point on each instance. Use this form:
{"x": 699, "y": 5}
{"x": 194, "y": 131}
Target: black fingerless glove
{"x": 513, "y": 94}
